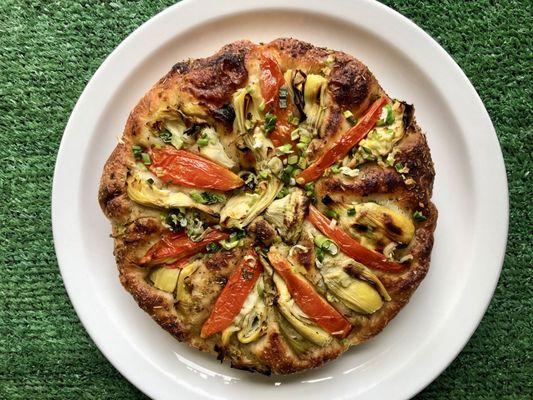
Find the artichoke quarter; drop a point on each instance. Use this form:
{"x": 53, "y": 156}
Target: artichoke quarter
{"x": 296, "y": 317}
{"x": 287, "y": 215}
{"x": 354, "y": 284}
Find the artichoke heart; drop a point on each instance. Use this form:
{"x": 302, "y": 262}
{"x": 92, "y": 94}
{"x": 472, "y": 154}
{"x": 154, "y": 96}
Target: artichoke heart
{"x": 250, "y": 323}
{"x": 242, "y": 208}
{"x": 297, "y": 342}
{"x": 187, "y": 271}
{"x": 214, "y": 150}
{"x": 148, "y": 194}
{"x": 315, "y": 99}
{"x": 262, "y": 147}
{"x": 252, "y": 326}
{"x": 379, "y": 222}
{"x": 247, "y": 103}
{"x": 358, "y": 295}
{"x": 381, "y": 140}
{"x": 287, "y": 214}
{"x": 353, "y": 283}
{"x": 165, "y": 279}
{"x": 296, "y": 317}
{"x": 177, "y": 129}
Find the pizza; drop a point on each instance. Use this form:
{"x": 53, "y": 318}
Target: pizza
{"x": 271, "y": 204}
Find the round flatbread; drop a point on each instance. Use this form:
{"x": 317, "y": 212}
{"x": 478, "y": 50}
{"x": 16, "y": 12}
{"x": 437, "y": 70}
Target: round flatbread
{"x": 270, "y": 204}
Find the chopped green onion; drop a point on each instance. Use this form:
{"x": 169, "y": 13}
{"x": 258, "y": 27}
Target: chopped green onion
{"x": 350, "y": 117}
{"x": 301, "y": 146}
{"x": 387, "y": 116}
{"x": 332, "y": 214}
{"x": 295, "y": 134}
{"x": 302, "y": 163}
{"x": 287, "y": 174}
{"x": 150, "y": 181}
{"x": 227, "y": 245}
{"x": 419, "y": 217}
{"x": 350, "y": 212}
{"x": 285, "y": 149}
{"x": 207, "y": 197}
{"x": 326, "y": 244}
{"x": 293, "y": 159}
{"x": 390, "y": 159}
{"x": 262, "y": 106}
{"x": 366, "y": 149}
{"x": 270, "y": 122}
{"x": 335, "y": 168}
{"x": 319, "y": 255}
{"x": 263, "y": 174}
{"x": 282, "y": 193}
{"x": 146, "y": 159}
{"x": 165, "y": 136}
{"x": 236, "y": 235}
{"x": 137, "y": 151}
{"x": 212, "y": 247}
{"x": 203, "y": 141}
{"x": 305, "y": 138}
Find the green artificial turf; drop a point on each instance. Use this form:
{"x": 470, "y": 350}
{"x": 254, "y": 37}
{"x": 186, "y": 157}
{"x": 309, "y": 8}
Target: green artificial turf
{"x": 49, "y": 51}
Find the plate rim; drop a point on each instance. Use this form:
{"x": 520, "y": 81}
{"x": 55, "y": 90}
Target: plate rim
{"x": 58, "y": 197}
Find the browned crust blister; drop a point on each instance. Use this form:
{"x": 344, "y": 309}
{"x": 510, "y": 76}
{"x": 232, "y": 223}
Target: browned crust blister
{"x": 211, "y": 82}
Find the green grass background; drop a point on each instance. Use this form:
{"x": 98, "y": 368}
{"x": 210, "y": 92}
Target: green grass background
{"x": 49, "y": 51}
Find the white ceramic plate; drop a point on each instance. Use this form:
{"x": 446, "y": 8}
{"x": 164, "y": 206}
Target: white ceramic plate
{"x": 470, "y": 192}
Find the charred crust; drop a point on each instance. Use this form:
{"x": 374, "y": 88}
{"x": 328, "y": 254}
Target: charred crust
{"x": 213, "y": 80}
{"x": 408, "y": 115}
{"x": 112, "y": 192}
{"x": 181, "y": 67}
{"x": 140, "y": 229}
{"x": 349, "y": 82}
{"x": 292, "y": 47}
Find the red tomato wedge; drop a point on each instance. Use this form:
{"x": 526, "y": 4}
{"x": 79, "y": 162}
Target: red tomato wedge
{"x": 230, "y": 301}
{"x": 350, "y": 246}
{"x": 175, "y": 246}
{"x": 311, "y": 303}
{"x": 182, "y": 167}
{"x": 338, "y": 150}
{"x": 271, "y": 80}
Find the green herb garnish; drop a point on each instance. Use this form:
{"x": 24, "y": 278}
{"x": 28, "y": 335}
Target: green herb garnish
{"x": 165, "y": 136}
{"x": 203, "y": 141}
{"x": 207, "y": 197}
{"x": 270, "y": 122}
{"x": 332, "y": 214}
{"x": 146, "y": 159}
{"x": 419, "y": 217}
{"x": 350, "y": 117}
{"x": 137, "y": 152}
